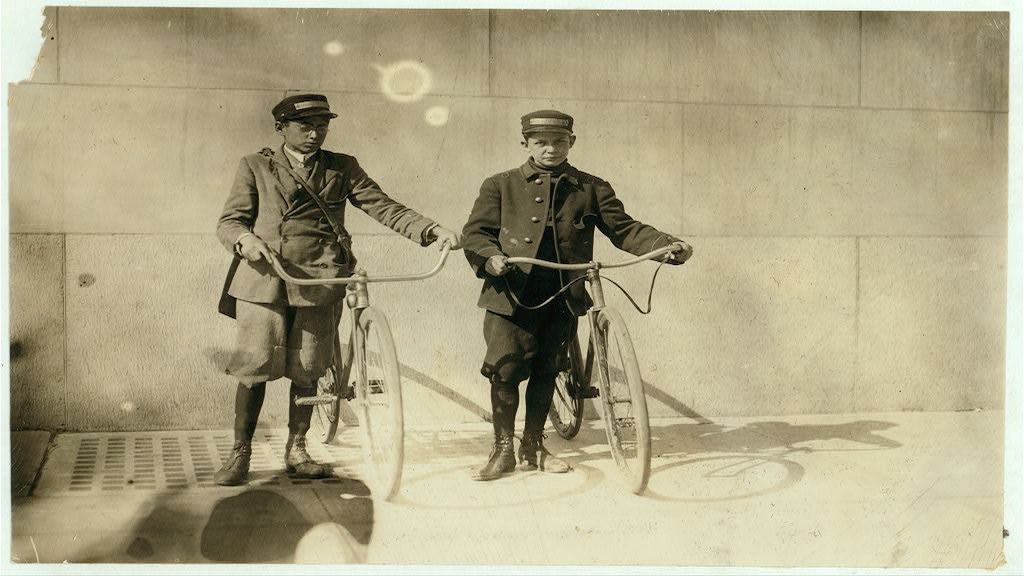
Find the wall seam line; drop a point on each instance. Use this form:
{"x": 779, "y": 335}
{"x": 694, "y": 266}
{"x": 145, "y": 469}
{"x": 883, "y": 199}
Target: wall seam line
{"x": 860, "y": 60}
{"x": 56, "y": 30}
{"x": 771, "y": 105}
{"x": 695, "y": 235}
{"x": 682, "y": 170}
{"x": 64, "y": 321}
{"x": 490, "y": 52}
{"x": 856, "y": 325}
{"x": 187, "y": 18}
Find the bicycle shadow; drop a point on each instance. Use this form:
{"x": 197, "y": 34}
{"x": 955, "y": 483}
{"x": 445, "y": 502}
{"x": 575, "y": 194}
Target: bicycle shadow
{"x": 686, "y": 439}
{"x": 707, "y": 461}
{"x": 713, "y": 462}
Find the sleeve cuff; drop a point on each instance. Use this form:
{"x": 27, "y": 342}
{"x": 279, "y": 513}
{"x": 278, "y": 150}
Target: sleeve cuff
{"x": 238, "y": 241}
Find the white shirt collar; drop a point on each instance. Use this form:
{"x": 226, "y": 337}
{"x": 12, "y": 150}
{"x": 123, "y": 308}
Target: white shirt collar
{"x": 296, "y": 157}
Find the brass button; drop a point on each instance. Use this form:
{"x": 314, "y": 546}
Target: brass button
{"x": 538, "y": 200}
{"x": 534, "y": 219}
{"x": 323, "y": 265}
{"x": 538, "y": 181}
{"x": 528, "y": 240}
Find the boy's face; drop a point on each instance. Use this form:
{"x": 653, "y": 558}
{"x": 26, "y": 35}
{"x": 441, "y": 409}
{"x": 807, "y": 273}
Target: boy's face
{"x": 549, "y": 149}
{"x": 304, "y": 135}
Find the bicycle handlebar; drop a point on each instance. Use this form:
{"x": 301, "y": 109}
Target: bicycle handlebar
{"x": 358, "y": 277}
{"x": 586, "y": 266}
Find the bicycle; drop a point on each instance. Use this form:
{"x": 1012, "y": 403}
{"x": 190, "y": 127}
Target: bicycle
{"x": 620, "y": 387}
{"x": 376, "y": 389}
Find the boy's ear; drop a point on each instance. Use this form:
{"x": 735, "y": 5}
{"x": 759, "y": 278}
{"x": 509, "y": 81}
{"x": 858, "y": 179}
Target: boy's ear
{"x": 278, "y": 127}
{"x": 572, "y": 140}
{"x": 525, "y": 145}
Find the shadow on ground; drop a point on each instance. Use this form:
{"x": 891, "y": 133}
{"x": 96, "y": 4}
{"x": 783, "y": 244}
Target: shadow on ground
{"x": 256, "y": 525}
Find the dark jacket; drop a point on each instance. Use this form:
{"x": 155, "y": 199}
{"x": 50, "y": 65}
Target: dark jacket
{"x": 509, "y": 215}
{"x": 267, "y": 201}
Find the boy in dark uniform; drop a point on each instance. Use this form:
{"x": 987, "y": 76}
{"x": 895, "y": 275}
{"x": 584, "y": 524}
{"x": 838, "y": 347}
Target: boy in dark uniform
{"x": 545, "y": 209}
{"x": 292, "y": 201}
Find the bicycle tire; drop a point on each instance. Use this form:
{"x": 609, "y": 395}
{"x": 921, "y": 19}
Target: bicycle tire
{"x": 325, "y": 425}
{"x": 566, "y": 412}
{"x": 378, "y": 396}
{"x": 623, "y": 403}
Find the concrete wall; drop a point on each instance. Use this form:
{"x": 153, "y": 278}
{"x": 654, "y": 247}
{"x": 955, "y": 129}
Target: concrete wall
{"x": 842, "y": 177}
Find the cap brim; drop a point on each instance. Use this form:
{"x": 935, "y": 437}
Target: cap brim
{"x": 546, "y": 129}
{"x": 311, "y": 113}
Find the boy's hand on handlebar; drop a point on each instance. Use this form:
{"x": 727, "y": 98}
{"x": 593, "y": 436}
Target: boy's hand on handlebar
{"x": 497, "y": 265}
{"x": 681, "y": 254}
{"x": 253, "y": 248}
{"x": 446, "y": 236}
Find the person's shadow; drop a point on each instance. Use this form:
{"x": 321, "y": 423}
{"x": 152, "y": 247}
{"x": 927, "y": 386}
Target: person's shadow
{"x": 258, "y": 525}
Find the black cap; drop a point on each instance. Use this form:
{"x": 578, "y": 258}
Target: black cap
{"x": 547, "y": 121}
{"x": 302, "y": 106}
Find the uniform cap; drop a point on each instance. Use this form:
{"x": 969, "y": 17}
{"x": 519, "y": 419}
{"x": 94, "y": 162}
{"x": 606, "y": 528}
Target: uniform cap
{"x": 547, "y": 121}
{"x": 302, "y": 106}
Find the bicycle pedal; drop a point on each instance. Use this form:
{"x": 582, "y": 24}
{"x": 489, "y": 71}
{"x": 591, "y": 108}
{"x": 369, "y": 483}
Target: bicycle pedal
{"x": 315, "y": 400}
{"x": 590, "y": 392}
{"x": 625, "y": 423}
{"x": 376, "y": 386}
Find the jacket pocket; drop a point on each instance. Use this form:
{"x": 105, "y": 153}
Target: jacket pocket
{"x": 585, "y": 220}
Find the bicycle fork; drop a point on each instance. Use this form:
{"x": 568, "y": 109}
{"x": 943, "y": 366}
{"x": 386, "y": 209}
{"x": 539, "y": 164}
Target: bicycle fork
{"x": 357, "y": 300}
{"x": 598, "y": 350}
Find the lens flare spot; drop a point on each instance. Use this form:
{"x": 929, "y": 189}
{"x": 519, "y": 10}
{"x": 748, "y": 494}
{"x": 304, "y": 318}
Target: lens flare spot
{"x": 436, "y": 115}
{"x": 405, "y": 81}
{"x": 334, "y": 48}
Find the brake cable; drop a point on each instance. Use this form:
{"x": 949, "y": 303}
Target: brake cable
{"x": 650, "y": 293}
{"x": 549, "y": 300}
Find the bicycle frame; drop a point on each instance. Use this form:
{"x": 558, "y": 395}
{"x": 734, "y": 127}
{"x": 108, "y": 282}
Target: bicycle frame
{"x": 593, "y": 269}
{"x": 606, "y": 325}
{"x": 357, "y": 300}
{"x": 378, "y": 398}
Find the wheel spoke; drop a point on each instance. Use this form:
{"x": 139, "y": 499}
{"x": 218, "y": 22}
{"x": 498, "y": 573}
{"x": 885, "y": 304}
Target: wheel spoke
{"x": 625, "y": 408}
{"x": 380, "y": 408}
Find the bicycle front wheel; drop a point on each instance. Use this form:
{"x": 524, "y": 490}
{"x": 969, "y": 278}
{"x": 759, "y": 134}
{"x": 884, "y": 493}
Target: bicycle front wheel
{"x": 623, "y": 403}
{"x": 379, "y": 404}
{"x": 566, "y": 413}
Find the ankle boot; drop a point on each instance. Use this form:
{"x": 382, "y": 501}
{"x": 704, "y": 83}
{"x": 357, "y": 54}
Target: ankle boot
{"x": 501, "y": 461}
{"x": 299, "y": 463}
{"x": 534, "y": 456}
{"x": 236, "y": 469}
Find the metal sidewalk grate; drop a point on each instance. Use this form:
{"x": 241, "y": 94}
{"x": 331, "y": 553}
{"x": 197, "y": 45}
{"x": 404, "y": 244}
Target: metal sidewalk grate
{"x": 109, "y": 462}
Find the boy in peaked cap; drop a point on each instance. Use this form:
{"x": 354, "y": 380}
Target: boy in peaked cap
{"x": 286, "y": 330}
{"x": 545, "y": 209}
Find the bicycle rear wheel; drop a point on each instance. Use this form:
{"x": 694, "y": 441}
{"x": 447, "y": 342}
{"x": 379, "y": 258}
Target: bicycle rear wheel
{"x": 379, "y": 404}
{"x": 623, "y": 404}
{"x": 325, "y": 424}
{"x": 566, "y": 413}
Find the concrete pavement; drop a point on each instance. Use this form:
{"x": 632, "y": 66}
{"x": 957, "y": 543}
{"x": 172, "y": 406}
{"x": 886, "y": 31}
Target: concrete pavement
{"x": 865, "y": 490}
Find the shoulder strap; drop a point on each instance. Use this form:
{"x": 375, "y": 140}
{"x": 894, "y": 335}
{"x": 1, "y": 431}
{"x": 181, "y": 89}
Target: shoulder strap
{"x": 316, "y": 198}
